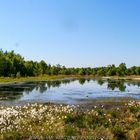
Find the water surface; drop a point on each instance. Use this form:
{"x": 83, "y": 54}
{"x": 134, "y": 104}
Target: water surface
{"x": 68, "y": 91}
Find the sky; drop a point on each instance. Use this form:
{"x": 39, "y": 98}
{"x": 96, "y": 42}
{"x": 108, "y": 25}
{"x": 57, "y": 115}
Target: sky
{"x": 74, "y": 33}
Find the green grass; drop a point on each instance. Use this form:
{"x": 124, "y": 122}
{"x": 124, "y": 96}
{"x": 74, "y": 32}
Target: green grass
{"x": 4, "y": 80}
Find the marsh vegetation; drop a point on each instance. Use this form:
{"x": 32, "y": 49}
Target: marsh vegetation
{"x": 44, "y": 121}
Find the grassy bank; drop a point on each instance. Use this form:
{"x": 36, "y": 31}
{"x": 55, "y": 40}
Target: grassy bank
{"x": 132, "y": 77}
{"x": 40, "y": 121}
{"x": 4, "y": 80}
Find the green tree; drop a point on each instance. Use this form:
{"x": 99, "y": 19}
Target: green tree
{"x": 81, "y": 71}
{"x": 122, "y": 67}
{"x": 121, "y": 70}
{"x": 111, "y": 72}
{"x": 42, "y": 67}
{"x": 29, "y": 67}
{"x": 137, "y": 70}
{"x": 101, "y": 72}
{"x": 133, "y": 70}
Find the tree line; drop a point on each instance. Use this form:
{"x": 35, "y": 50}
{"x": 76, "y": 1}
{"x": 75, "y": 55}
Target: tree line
{"x": 14, "y": 65}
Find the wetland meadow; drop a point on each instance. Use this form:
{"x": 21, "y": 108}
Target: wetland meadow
{"x": 70, "y": 108}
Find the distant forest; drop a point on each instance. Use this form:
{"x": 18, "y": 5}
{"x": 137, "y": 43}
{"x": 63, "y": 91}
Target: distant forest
{"x": 14, "y": 65}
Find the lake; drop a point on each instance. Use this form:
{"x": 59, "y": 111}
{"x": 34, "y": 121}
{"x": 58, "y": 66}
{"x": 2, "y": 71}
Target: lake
{"x": 69, "y": 91}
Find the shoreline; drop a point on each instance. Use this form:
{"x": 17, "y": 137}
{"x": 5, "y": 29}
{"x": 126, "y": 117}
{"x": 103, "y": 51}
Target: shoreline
{"x": 106, "y": 101}
{"x": 9, "y": 80}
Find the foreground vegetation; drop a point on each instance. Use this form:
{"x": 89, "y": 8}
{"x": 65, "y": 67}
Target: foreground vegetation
{"x": 14, "y": 65}
{"x": 47, "y": 121}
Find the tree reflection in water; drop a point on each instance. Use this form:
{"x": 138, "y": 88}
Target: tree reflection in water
{"x": 100, "y": 82}
{"x": 120, "y": 84}
{"x": 15, "y": 91}
{"x": 82, "y": 81}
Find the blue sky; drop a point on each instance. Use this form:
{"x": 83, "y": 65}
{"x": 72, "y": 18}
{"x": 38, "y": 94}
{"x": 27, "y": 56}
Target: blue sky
{"x": 78, "y": 33}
